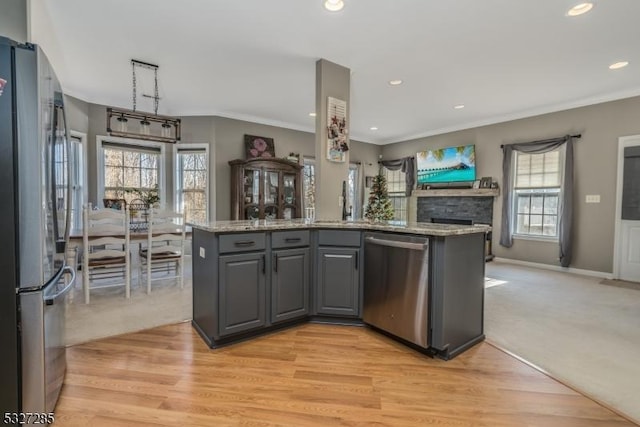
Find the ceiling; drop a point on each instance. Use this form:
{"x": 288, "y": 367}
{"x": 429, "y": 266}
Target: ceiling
{"x": 255, "y": 59}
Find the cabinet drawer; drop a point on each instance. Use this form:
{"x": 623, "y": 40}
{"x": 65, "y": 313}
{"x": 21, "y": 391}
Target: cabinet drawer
{"x": 242, "y": 242}
{"x": 289, "y": 239}
{"x": 338, "y": 238}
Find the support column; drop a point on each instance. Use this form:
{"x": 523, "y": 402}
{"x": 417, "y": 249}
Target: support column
{"x": 14, "y": 21}
{"x": 332, "y": 80}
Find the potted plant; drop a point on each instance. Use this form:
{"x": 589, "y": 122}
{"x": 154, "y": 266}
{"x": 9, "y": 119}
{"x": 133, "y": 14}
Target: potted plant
{"x": 149, "y": 197}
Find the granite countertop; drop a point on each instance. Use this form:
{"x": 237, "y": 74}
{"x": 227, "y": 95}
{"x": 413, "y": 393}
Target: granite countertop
{"x": 423, "y": 228}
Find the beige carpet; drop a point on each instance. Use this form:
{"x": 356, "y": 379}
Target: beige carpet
{"x": 582, "y": 333}
{"x": 621, "y": 284}
{"x": 109, "y": 313}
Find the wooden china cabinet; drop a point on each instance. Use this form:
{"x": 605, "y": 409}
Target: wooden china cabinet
{"x": 266, "y": 189}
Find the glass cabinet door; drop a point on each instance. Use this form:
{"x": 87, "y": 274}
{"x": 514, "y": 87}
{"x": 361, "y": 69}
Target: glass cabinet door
{"x": 251, "y": 200}
{"x": 289, "y": 192}
{"x": 251, "y": 187}
{"x": 252, "y": 212}
{"x": 271, "y": 194}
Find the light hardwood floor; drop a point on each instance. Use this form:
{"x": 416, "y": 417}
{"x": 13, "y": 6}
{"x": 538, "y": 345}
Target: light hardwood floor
{"x": 310, "y": 375}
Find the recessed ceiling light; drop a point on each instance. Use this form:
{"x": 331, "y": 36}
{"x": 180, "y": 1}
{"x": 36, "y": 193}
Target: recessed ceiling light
{"x": 333, "y": 5}
{"x": 580, "y": 9}
{"x": 395, "y": 82}
{"x": 459, "y": 106}
{"x": 312, "y": 114}
{"x": 618, "y": 65}
{"x": 373, "y": 128}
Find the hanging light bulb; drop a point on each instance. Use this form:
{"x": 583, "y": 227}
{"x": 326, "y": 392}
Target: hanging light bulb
{"x": 122, "y": 123}
{"x": 145, "y": 126}
{"x": 165, "y": 132}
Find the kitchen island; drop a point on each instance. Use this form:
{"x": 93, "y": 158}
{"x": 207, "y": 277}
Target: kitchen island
{"x": 253, "y": 277}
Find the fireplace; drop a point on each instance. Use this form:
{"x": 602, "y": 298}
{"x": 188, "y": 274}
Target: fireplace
{"x": 479, "y": 210}
{"x": 465, "y": 207}
{"x": 460, "y": 221}
{"x": 488, "y": 255}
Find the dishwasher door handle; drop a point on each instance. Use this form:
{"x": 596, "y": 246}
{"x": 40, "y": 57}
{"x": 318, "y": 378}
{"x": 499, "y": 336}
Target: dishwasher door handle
{"x": 397, "y": 244}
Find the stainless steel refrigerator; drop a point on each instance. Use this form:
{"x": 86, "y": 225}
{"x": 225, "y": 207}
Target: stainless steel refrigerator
{"x": 35, "y": 201}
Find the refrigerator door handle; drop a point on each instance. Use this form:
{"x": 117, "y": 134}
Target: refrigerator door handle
{"x": 70, "y": 179}
{"x": 67, "y": 270}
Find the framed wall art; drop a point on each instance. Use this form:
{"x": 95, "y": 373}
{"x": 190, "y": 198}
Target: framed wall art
{"x": 259, "y": 146}
{"x": 337, "y": 140}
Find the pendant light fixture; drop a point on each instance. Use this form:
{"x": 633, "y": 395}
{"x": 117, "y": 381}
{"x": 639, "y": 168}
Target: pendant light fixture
{"x": 153, "y": 127}
{"x": 122, "y": 123}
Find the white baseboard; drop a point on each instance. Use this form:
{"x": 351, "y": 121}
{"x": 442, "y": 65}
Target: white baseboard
{"x": 591, "y": 273}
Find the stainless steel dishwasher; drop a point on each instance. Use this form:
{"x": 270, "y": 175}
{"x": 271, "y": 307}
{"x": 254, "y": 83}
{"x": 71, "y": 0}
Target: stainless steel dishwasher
{"x": 396, "y": 285}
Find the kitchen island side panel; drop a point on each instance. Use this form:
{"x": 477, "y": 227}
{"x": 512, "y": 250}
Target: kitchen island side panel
{"x": 205, "y": 283}
{"x": 457, "y": 293}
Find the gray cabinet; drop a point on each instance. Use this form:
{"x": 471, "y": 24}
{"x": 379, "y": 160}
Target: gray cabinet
{"x": 338, "y": 281}
{"x": 242, "y": 301}
{"x": 289, "y": 284}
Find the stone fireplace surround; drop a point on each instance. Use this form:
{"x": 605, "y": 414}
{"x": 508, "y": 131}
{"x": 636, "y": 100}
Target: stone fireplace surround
{"x": 460, "y": 205}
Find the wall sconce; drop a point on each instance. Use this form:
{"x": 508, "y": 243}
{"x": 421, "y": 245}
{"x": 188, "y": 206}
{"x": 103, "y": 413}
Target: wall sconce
{"x": 153, "y": 127}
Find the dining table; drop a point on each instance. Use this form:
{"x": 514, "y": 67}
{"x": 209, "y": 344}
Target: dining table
{"x": 136, "y": 236}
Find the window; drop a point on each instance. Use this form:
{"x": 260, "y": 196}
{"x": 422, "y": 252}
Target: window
{"x": 124, "y": 164}
{"x": 191, "y": 181}
{"x": 396, "y": 187}
{"x": 78, "y": 175}
{"x": 537, "y": 188}
{"x": 352, "y": 192}
{"x": 309, "y": 188}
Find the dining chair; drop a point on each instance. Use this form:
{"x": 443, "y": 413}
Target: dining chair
{"x": 164, "y": 247}
{"x": 105, "y": 246}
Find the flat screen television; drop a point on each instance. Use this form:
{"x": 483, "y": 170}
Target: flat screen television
{"x": 452, "y": 164}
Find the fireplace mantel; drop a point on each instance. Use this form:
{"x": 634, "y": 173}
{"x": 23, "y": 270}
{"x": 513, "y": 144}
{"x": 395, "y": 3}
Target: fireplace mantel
{"x": 460, "y": 192}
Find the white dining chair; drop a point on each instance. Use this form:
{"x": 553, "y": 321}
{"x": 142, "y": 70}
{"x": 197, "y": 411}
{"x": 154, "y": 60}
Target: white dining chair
{"x": 105, "y": 247}
{"x": 164, "y": 247}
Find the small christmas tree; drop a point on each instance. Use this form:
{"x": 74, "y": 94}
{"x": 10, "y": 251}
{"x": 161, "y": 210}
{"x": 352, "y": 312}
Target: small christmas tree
{"x": 379, "y": 207}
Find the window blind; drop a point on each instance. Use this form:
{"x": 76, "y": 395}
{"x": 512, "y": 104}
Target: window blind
{"x": 538, "y": 170}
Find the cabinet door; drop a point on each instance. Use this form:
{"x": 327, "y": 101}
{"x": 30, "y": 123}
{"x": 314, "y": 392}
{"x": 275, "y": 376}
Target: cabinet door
{"x": 290, "y": 196}
{"x": 338, "y": 281}
{"x": 251, "y": 194}
{"x": 290, "y": 284}
{"x": 242, "y": 304}
{"x": 272, "y": 194}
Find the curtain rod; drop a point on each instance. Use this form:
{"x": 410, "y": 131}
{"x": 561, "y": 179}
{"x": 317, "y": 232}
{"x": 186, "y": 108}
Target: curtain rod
{"x": 572, "y": 136}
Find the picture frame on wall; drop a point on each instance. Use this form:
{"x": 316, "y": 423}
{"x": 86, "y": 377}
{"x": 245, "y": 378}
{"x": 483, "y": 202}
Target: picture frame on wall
{"x": 259, "y": 147}
{"x": 337, "y": 139}
{"x": 485, "y": 182}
